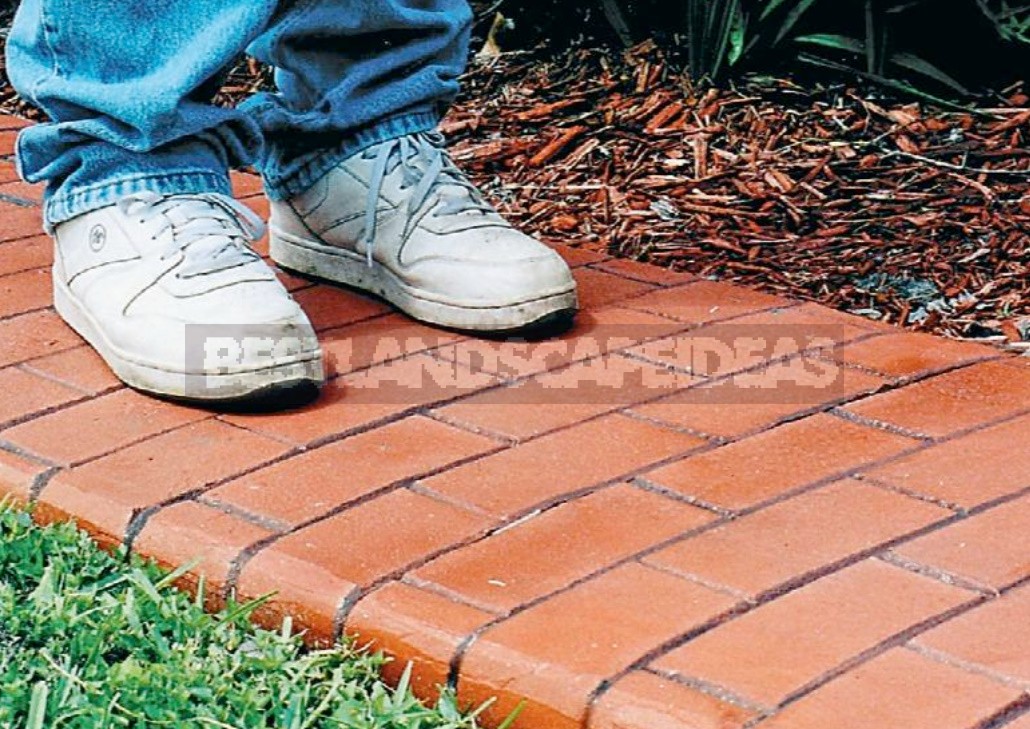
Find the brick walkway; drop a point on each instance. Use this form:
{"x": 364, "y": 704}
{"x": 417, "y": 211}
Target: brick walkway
{"x": 704, "y": 508}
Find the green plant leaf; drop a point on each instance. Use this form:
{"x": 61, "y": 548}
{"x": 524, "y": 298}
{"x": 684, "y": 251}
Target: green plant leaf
{"x": 508, "y": 722}
{"x": 921, "y": 66}
{"x": 617, "y": 19}
{"x": 114, "y": 650}
{"x": 1012, "y": 23}
{"x": 796, "y": 13}
{"x": 896, "y": 85}
{"x": 904, "y": 6}
{"x": 738, "y": 36}
{"x": 836, "y": 42}
{"x": 46, "y": 592}
{"x": 771, "y": 7}
{"x": 37, "y": 707}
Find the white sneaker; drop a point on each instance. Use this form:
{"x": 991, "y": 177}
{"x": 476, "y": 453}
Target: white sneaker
{"x": 170, "y": 294}
{"x": 401, "y": 221}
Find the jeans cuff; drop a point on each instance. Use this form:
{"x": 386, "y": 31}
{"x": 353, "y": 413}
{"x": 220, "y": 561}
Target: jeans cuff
{"x": 83, "y": 200}
{"x": 284, "y": 180}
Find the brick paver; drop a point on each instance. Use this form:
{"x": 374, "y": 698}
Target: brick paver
{"x": 901, "y": 689}
{"x": 703, "y": 507}
{"x": 989, "y": 548}
{"x": 993, "y": 637}
{"x": 785, "y": 646}
{"x": 642, "y": 700}
{"x": 26, "y": 254}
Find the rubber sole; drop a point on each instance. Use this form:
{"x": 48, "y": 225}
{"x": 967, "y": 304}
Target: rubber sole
{"x": 301, "y": 372}
{"x": 336, "y": 265}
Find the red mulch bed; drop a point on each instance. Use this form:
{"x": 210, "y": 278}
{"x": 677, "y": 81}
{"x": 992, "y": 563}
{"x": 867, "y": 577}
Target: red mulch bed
{"x": 891, "y": 210}
{"x": 894, "y": 211}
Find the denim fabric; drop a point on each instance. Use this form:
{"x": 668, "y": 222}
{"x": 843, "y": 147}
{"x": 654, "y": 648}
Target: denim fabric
{"x": 128, "y": 86}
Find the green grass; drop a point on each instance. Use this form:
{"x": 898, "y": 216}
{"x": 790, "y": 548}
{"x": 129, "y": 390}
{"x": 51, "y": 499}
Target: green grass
{"x": 91, "y": 640}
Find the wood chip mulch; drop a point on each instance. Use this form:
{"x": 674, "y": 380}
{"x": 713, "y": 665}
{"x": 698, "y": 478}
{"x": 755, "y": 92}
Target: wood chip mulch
{"x": 889, "y": 210}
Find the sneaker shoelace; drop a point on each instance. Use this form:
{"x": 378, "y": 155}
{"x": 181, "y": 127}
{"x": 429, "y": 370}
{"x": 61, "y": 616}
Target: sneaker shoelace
{"x": 425, "y": 166}
{"x": 212, "y": 231}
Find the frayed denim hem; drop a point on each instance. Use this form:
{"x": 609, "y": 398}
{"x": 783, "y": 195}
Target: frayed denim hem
{"x": 173, "y": 182}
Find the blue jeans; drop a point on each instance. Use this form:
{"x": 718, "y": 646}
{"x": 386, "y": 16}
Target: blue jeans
{"x": 128, "y": 85}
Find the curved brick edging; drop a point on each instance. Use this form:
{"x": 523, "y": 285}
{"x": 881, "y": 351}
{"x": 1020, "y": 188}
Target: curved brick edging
{"x": 711, "y": 544}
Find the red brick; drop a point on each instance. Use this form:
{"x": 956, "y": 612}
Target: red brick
{"x": 100, "y": 426}
{"x": 19, "y": 221}
{"x": 594, "y": 333}
{"x": 561, "y": 463}
{"x": 819, "y": 315}
{"x": 313, "y": 483}
{"x": 414, "y": 381}
{"x": 204, "y": 538}
{"x": 994, "y": 636}
{"x": 34, "y": 335}
{"x": 753, "y": 340}
{"x": 905, "y": 354}
{"x": 606, "y": 624}
{"x": 577, "y": 257}
{"x": 646, "y": 272}
{"x": 810, "y": 324}
{"x": 555, "y": 548}
{"x": 358, "y": 346}
{"x": 1023, "y": 722}
{"x": 779, "y": 648}
{"x": 18, "y": 475}
{"x": 371, "y": 540}
{"x": 27, "y": 254}
{"x": 292, "y": 282}
{"x": 9, "y": 121}
{"x": 259, "y": 204}
{"x": 794, "y": 538}
{"x": 952, "y": 402}
{"x": 989, "y": 548}
{"x": 556, "y": 399}
{"x": 764, "y": 466}
{"x": 260, "y": 246}
{"x": 313, "y": 570}
{"x": 25, "y": 291}
{"x": 8, "y": 139}
{"x": 23, "y": 191}
{"x": 899, "y": 689}
{"x": 643, "y": 700}
{"x": 967, "y": 471}
{"x": 329, "y": 307}
{"x": 409, "y": 624}
{"x": 79, "y": 367}
{"x": 705, "y": 301}
{"x": 366, "y": 397}
{"x": 8, "y": 173}
{"x": 26, "y": 394}
{"x": 102, "y": 495}
{"x": 246, "y": 184}
{"x": 751, "y": 401}
{"x": 597, "y": 288}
